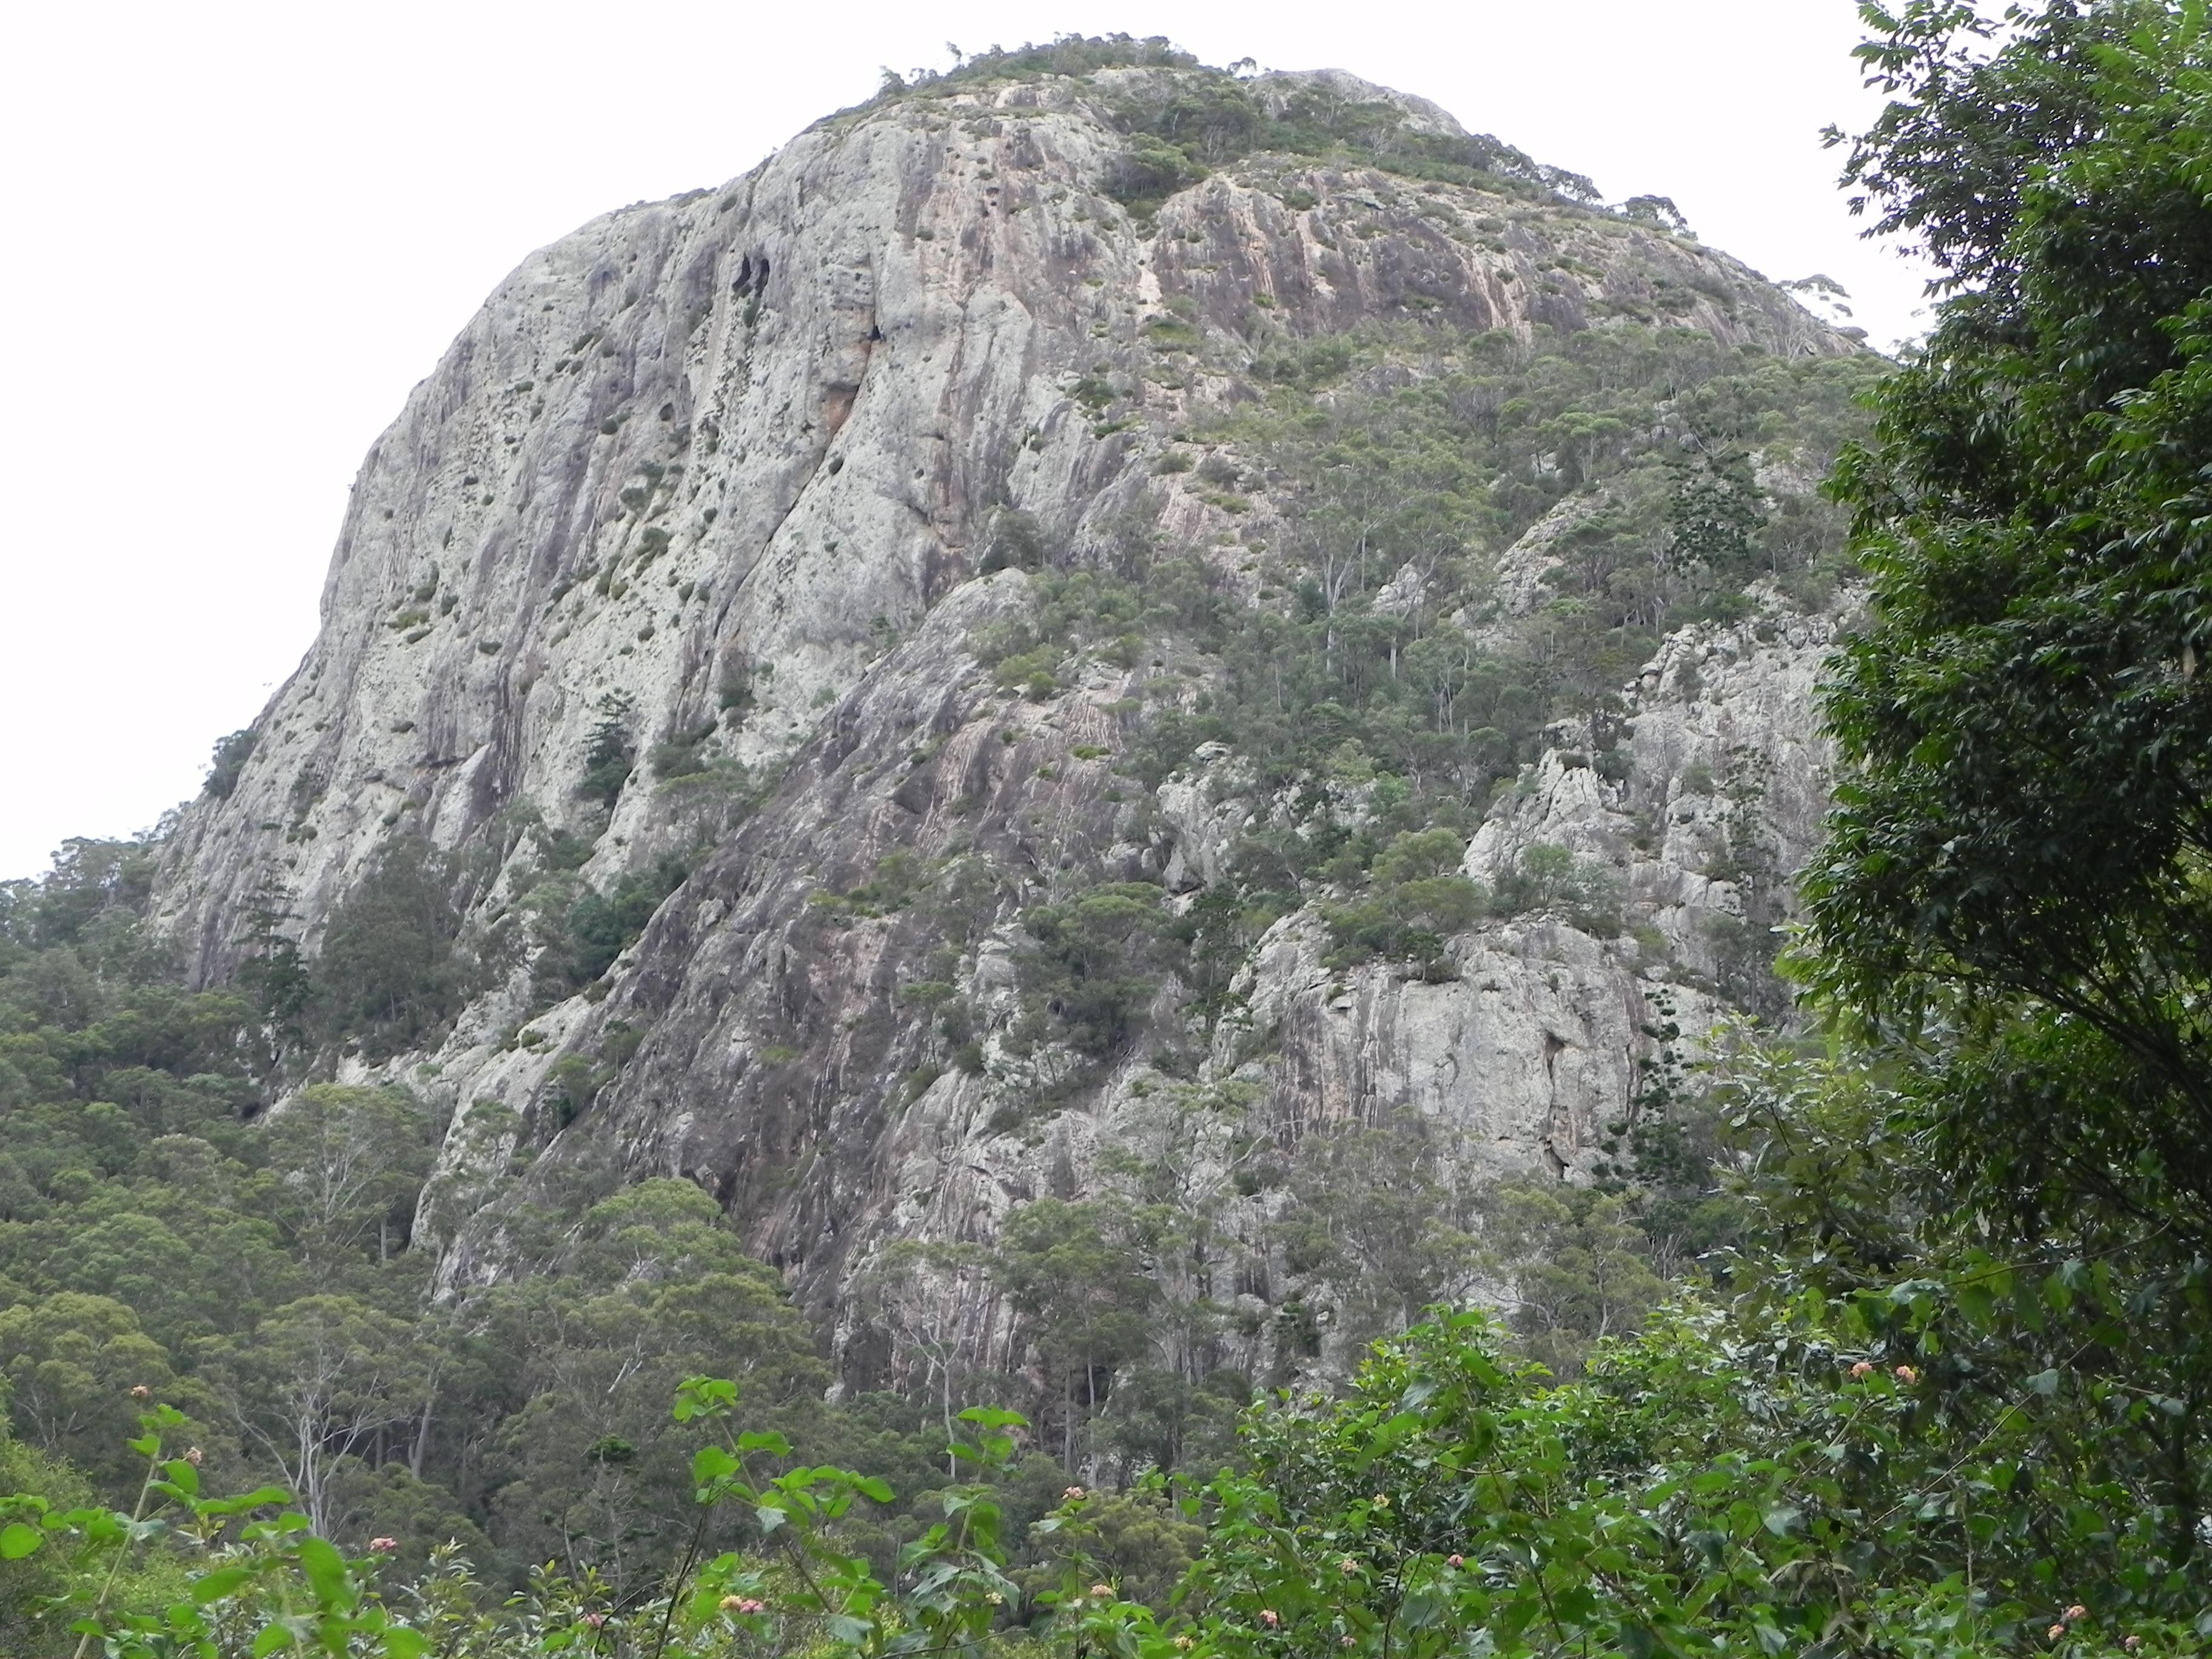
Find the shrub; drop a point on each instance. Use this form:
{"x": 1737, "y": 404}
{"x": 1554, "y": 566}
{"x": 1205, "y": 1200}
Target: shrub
{"x": 680, "y": 756}
{"x": 1094, "y": 965}
{"x": 1030, "y": 672}
{"x": 611, "y": 754}
{"x": 1415, "y": 899}
{"x": 1586, "y": 892}
{"x": 228, "y": 761}
{"x": 734, "y": 695}
{"x": 602, "y": 926}
{"x": 390, "y": 973}
{"x": 1015, "y": 541}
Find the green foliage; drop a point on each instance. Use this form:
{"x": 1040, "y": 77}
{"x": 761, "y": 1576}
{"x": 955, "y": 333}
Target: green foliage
{"x": 1093, "y": 967}
{"x": 1415, "y": 899}
{"x": 1382, "y": 1217}
{"x": 2015, "y": 885}
{"x": 1580, "y": 1268}
{"x": 1187, "y": 118}
{"x": 1015, "y": 541}
{"x": 571, "y": 1368}
{"x": 602, "y": 926}
{"x": 1713, "y": 512}
{"x": 899, "y": 879}
{"x": 1360, "y": 661}
{"x": 349, "y": 1163}
{"x": 1150, "y": 171}
{"x": 1073, "y": 54}
{"x": 1551, "y": 879}
{"x": 391, "y": 972}
{"x": 1692, "y": 1496}
{"x": 682, "y": 756}
{"x": 91, "y": 900}
{"x": 611, "y": 754}
{"x": 1938, "y": 1377}
{"x": 70, "y": 1361}
{"x": 228, "y": 761}
{"x": 1074, "y": 1270}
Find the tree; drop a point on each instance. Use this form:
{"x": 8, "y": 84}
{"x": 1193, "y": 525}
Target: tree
{"x": 579, "y": 1458}
{"x": 1712, "y": 513}
{"x": 612, "y": 755}
{"x": 2020, "y": 848}
{"x": 69, "y": 1363}
{"x": 1381, "y": 1217}
{"x": 1415, "y": 899}
{"x": 389, "y": 974}
{"x": 1090, "y": 961}
{"x": 2014, "y": 892}
{"x": 227, "y": 763}
{"x": 1072, "y": 1271}
{"x": 322, "y": 1387}
{"x": 919, "y": 1294}
{"x": 1579, "y": 1266}
{"x": 351, "y": 1162}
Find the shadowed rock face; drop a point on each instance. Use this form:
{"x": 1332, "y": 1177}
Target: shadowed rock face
{"x": 749, "y": 448}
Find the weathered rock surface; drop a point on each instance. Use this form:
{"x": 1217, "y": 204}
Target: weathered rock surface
{"x": 751, "y": 444}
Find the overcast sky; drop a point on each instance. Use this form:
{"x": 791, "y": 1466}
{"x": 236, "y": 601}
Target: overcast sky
{"x": 240, "y": 232}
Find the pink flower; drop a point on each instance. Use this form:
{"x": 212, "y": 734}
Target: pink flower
{"x": 2056, "y": 1631}
{"x": 733, "y": 1603}
{"x": 1104, "y": 1592}
{"x": 1864, "y": 1368}
{"x": 1345, "y": 1641}
{"x": 1455, "y": 1560}
{"x": 384, "y": 1546}
{"x": 596, "y": 1621}
{"x": 2132, "y": 1644}
{"x": 1074, "y": 1494}
{"x": 1347, "y": 1566}
{"x": 140, "y": 1391}
{"x": 751, "y": 1606}
{"x": 2077, "y": 1611}
{"x": 195, "y": 1456}
{"x": 1907, "y": 1374}
{"x": 1270, "y": 1618}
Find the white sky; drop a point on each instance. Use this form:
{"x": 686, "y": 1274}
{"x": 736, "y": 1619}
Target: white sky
{"x": 237, "y": 233}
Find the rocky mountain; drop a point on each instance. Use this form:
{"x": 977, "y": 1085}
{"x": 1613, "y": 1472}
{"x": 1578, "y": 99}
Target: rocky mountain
{"x": 1089, "y": 622}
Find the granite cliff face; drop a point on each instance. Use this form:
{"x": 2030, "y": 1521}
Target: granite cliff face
{"x": 768, "y": 477}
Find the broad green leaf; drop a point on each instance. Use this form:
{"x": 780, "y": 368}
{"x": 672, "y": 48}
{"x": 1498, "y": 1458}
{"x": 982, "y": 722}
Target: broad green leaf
{"x": 218, "y": 1584}
{"x": 326, "y": 1572}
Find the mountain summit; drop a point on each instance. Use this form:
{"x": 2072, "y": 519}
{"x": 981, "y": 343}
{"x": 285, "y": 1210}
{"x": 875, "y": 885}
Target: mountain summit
{"x": 1092, "y": 620}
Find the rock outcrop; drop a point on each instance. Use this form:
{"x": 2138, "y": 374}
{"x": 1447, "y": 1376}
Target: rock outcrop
{"x": 734, "y": 470}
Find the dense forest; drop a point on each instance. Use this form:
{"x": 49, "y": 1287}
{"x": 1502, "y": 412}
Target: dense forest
{"x": 1894, "y": 1338}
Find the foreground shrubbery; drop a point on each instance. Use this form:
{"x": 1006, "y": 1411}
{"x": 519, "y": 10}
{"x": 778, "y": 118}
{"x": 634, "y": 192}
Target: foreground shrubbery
{"x": 1866, "y": 1469}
